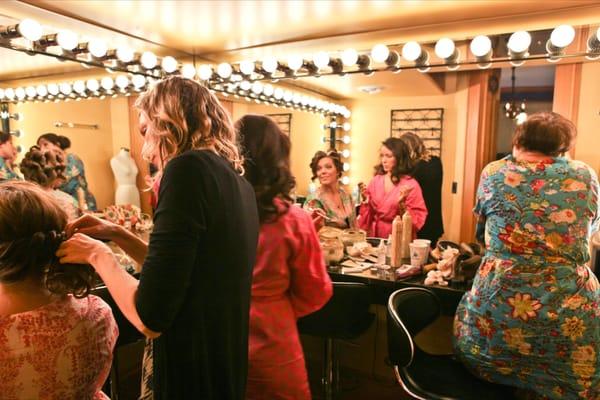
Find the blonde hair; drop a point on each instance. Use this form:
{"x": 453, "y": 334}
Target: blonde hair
{"x": 184, "y": 115}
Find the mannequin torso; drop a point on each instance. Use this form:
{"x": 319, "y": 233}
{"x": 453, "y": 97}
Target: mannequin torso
{"x": 125, "y": 172}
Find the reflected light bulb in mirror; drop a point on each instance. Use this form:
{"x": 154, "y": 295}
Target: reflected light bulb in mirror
{"x": 444, "y": 48}
{"x": 295, "y": 62}
{"x": 65, "y": 88}
{"x": 346, "y": 167}
{"x": 67, "y": 40}
{"x": 345, "y": 180}
{"x": 245, "y": 85}
{"x": 345, "y": 153}
{"x": 205, "y": 72}
{"x": 321, "y": 59}
{"x": 97, "y": 48}
{"x": 296, "y": 98}
{"x": 346, "y": 139}
{"x": 380, "y": 53}
{"x": 9, "y": 93}
{"x": 138, "y": 81}
{"x": 247, "y": 67}
{"x": 288, "y": 96}
{"x": 79, "y": 86}
{"x": 169, "y": 64}
{"x": 257, "y": 88}
{"x": 148, "y": 60}
{"x": 92, "y": 85}
{"x": 1, "y": 93}
{"x": 30, "y": 29}
{"x": 519, "y": 42}
{"x": 125, "y": 54}
{"x": 411, "y": 51}
{"x": 107, "y": 83}
{"x": 269, "y": 64}
{"x": 122, "y": 82}
{"x": 20, "y": 93}
{"x": 521, "y": 117}
{"x": 53, "y": 89}
{"x": 349, "y": 57}
{"x": 224, "y": 70}
{"x": 481, "y": 46}
{"x": 41, "y": 90}
{"x": 188, "y": 71}
{"x": 278, "y": 94}
{"x": 562, "y": 36}
{"x": 30, "y": 91}
{"x": 346, "y": 126}
{"x": 268, "y": 90}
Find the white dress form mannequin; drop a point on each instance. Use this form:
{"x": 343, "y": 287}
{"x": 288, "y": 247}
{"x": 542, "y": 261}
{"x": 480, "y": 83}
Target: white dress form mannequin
{"x": 125, "y": 172}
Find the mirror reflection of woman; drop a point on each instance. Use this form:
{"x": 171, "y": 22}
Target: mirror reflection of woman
{"x": 75, "y": 184}
{"x": 391, "y": 192}
{"x": 332, "y": 202}
{"x": 46, "y": 168}
{"x": 8, "y": 155}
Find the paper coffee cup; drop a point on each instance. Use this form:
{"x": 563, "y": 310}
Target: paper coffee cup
{"x": 418, "y": 253}
{"x": 426, "y": 241}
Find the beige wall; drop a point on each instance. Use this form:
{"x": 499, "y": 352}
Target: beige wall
{"x": 587, "y": 147}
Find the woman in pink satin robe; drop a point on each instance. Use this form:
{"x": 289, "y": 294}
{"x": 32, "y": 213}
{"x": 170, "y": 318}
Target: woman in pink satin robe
{"x": 391, "y": 192}
{"x": 289, "y": 279}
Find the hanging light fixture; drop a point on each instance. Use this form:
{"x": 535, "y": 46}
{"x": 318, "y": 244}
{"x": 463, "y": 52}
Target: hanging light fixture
{"x": 513, "y": 109}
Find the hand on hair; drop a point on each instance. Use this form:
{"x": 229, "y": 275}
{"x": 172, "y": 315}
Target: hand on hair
{"x": 362, "y": 189}
{"x": 92, "y": 226}
{"x": 404, "y": 192}
{"x": 81, "y": 249}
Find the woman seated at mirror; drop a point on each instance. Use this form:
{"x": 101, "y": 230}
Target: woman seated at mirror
{"x": 56, "y": 341}
{"x": 330, "y": 200}
{"x": 46, "y": 168}
{"x": 8, "y": 155}
{"x": 391, "y": 192}
{"x": 75, "y": 184}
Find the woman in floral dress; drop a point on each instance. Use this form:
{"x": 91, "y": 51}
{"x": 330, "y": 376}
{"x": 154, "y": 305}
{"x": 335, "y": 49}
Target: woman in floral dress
{"x": 532, "y": 319}
{"x": 8, "y": 153}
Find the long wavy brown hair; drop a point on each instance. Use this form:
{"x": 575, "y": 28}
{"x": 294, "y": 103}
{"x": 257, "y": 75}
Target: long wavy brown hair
{"x": 31, "y": 226}
{"x": 184, "y": 115}
{"x": 404, "y": 163}
{"x": 267, "y": 165}
{"x": 43, "y": 167}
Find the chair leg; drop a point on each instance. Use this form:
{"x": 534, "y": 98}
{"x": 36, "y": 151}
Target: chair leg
{"x": 327, "y": 380}
{"x": 336, "y": 368}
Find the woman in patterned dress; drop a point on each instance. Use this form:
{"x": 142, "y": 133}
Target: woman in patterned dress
{"x": 330, "y": 200}
{"x": 532, "y": 318}
{"x": 75, "y": 183}
{"x": 56, "y": 342}
{"x": 8, "y": 154}
{"x": 289, "y": 278}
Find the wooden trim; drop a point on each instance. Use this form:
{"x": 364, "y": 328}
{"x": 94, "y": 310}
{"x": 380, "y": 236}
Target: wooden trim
{"x": 136, "y": 143}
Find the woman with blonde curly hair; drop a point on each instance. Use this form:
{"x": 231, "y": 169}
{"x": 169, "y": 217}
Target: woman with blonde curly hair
{"x": 193, "y": 295}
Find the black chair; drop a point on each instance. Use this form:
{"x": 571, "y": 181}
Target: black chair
{"x": 346, "y": 316}
{"x": 128, "y": 334}
{"x": 422, "y": 375}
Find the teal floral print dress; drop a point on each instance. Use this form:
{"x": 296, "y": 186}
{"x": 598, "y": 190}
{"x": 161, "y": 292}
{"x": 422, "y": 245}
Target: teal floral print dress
{"x": 343, "y": 219}
{"x": 7, "y": 173}
{"x": 532, "y": 318}
{"x": 75, "y": 174}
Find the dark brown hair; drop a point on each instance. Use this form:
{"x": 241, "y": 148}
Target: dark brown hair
{"x": 335, "y": 158}
{"x": 417, "y": 148}
{"x": 548, "y": 133}
{"x": 404, "y": 163}
{"x": 4, "y": 137}
{"x": 184, "y": 115}
{"x": 267, "y": 163}
{"x": 42, "y": 167}
{"x": 31, "y": 226}
{"x": 61, "y": 141}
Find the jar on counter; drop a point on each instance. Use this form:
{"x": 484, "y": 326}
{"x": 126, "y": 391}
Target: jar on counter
{"x": 333, "y": 250}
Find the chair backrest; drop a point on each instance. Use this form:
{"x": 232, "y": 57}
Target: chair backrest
{"x": 344, "y": 316}
{"x": 127, "y": 332}
{"x": 409, "y": 311}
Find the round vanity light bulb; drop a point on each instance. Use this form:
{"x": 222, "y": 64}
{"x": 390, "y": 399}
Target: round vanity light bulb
{"x": 411, "y": 51}
{"x": 257, "y": 87}
{"x": 347, "y": 113}
{"x": 269, "y": 64}
{"x": 346, "y": 126}
{"x": 107, "y": 83}
{"x": 349, "y": 57}
{"x": 519, "y": 41}
{"x": 345, "y": 180}
{"x": 92, "y": 85}
{"x": 20, "y": 93}
{"x": 138, "y": 81}
{"x": 346, "y": 139}
{"x": 188, "y": 71}
{"x": 345, "y": 153}
{"x": 296, "y": 98}
{"x": 247, "y": 67}
{"x": 562, "y": 36}
{"x": 30, "y": 29}
{"x": 122, "y": 82}
{"x": 346, "y": 166}
{"x": 169, "y": 64}
{"x": 278, "y": 94}
{"x": 321, "y": 59}
{"x": 148, "y": 60}
{"x": 224, "y": 70}
{"x": 9, "y": 93}
{"x": 268, "y": 90}
{"x": 444, "y": 48}
{"x": 304, "y": 100}
{"x": 481, "y": 46}
{"x": 288, "y": 96}
{"x": 295, "y": 62}
{"x": 67, "y": 40}
{"x": 53, "y": 89}
{"x": 1, "y": 93}
{"x": 97, "y": 48}
{"x": 41, "y": 90}
{"x": 245, "y": 85}
{"x": 125, "y": 54}
{"x": 205, "y": 72}
{"x": 79, "y": 86}
{"x": 65, "y": 88}
{"x": 380, "y": 53}
{"x": 30, "y": 91}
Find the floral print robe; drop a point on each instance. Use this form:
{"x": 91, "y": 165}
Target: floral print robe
{"x": 532, "y": 318}
{"x": 75, "y": 174}
{"x": 7, "y": 173}
{"x": 342, "y": 220}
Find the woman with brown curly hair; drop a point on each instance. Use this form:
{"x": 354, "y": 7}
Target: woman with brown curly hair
{"x": 50, "y": 328}
{"x": 391, "y": 192}
{"x": 193, "y": 295}
{"x": 289, "y": 279}
{"x": 333, "y": 202}
{"x": 46, "y": 168}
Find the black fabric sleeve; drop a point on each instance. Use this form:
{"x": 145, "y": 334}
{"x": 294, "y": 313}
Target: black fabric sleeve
{"x": 179, "y": 221}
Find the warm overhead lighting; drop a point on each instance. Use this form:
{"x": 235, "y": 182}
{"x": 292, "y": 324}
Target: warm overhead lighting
{"x": 122, "y": 82}
{"x": 9, "y": 93}
{"x": 278, "y": 94}
{"x": 518, "y": 46}
{"x": 169, "y": 64}
{"x": 346, "y": 126}
{"x": 257, "y": 87}
{"x": 411, "y": 51}
{"x": 28, "y": 28}
{"x": 321, "y": 59}
{"x": 92, "y": 85}
{"x": 269, "y": 64}
{"x": 295, "y": 62}
{"x": 53, "y": 89}
{"x": 20, "y": 93}
{"x": 481, "y": 47}
{"x": 139, "y": 81}
{"x": 268, "y": 90}
{"x": 65, "y": 88}
{"x": 67, "y": 40}
{"x": 345, "y": 180}
{"x": 245, "y": 85}
{"x": 346, "y": 139}
{"x": 205, "y": 72}
{"x": 224, "y": 70}
{"x": 125, "y": 54}
{"x": 350, "y": 57}
{"x": 512, "y": 107}
{"x": 346, "y": 153}
{"x": 247, "y": 67}
{"x": 148, "y": 60}
{"x": 447, "y": 51}
{"x": 30, "y": 91}
{"x": 560, "y": 38}
{"x": 97, "y": 48}
{"x": 79, "y": 86}
{"x": 107, "y": 83}
{"x": 188, "y": 71}
{"x": 41, "y": 90}
{"x": 382, "y": 54}
{"x": 346, "y": 167}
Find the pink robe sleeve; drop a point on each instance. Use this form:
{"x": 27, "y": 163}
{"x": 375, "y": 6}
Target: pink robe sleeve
{"x": 310, "y": 285}
{"x": 366, "y": 212}
{"x": 415, "y": 204}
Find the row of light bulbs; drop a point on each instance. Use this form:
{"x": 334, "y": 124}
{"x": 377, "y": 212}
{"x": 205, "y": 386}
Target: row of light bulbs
{"x": 335, "y": 125}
